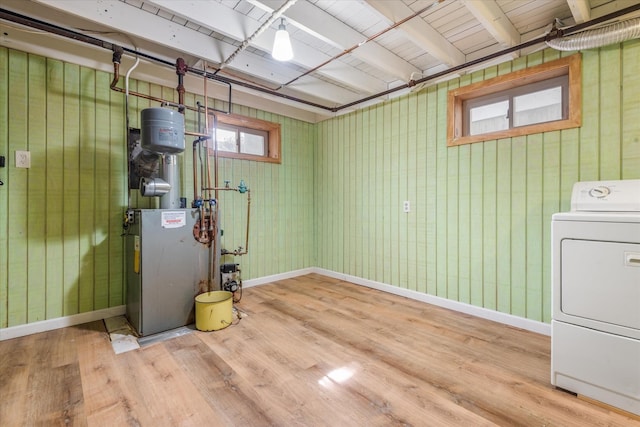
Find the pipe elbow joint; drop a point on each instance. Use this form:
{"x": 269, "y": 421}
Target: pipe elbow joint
{"x": 117, "y": 54}
{"x": 181, "y": 67}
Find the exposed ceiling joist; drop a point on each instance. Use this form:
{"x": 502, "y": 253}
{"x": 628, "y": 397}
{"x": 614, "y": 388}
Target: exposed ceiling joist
{"x": 238, "y": 26}
{"x": 580, "y": 9}
{"x": 128, "y": 19}
{"x": 347, "y": 53}
{"x": 493, "y": 19}
{"x": 419, "y": 32}
{"x": 612, "y": 7}
{"x": 319, "y": 23}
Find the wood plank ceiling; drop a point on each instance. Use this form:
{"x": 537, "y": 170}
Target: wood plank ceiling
{"x": 444, "y": 34}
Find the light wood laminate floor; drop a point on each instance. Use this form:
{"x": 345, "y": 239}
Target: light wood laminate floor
{"x": 313, "y": 351}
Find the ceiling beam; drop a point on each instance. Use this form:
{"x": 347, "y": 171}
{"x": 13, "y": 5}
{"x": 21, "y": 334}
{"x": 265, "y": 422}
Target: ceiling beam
{"x": 419, "y": 32}
{"x": 131, "y": 20}
{"x": 580, "y": 9}
{"x": 322, "y": 25}
{"x": 494, "y": 21}
{"x": 226, "y": 21}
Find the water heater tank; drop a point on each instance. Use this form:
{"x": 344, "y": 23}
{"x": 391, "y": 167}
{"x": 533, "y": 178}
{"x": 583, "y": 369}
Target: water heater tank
{"x": 162, "y": 130}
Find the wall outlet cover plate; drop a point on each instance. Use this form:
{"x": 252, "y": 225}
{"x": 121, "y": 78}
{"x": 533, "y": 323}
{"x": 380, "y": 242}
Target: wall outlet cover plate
{"x": 23, "y": 159}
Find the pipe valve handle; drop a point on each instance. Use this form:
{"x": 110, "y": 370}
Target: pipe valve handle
{"x": 242, "y": 188}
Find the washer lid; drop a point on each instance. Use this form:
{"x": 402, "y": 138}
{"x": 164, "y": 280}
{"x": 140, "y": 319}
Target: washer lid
{"x": 606, "y": 196}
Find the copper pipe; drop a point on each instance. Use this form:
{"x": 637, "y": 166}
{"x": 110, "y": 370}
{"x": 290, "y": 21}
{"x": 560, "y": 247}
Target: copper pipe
{"x": 213, "y": 208}
{"x": 198, "y": 161}
{"x": 114, "y": 87}
{"x": 215, "y": 154}
{"x": 54, "y": 29}
{"x": 204, "y": 237}
{"x": 215, "y": 173}
{"x": 201, "y": 135}
{"x": 246, "y": 243}
{"x": 181, "y": 70}
{"x": 222, "y": 189}
{"x": 195, "y": 171}
{"x": 206, "y": 126}
{"x": 203, "y": 176}
{"x": 354, "y": 47}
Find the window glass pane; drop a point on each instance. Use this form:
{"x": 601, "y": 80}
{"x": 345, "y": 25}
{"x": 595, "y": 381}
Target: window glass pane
{"x": 227, "y": 140}
{"x": 489, "y": 118}
{"x": 538, "y": 107}
{"x": 251, "y": 144}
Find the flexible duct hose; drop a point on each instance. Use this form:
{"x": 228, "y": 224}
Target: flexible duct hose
{"x": 609, "y": 34}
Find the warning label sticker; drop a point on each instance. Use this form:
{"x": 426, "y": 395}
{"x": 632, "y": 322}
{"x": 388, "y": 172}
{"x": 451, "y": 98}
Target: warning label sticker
{"x": 174, "y": 219}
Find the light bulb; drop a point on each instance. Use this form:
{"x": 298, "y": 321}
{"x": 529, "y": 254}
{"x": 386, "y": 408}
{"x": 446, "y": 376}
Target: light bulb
{"x": 282, "y": 44}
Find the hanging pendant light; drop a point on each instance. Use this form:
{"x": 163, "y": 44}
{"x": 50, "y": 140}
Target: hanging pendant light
{"x": 281, "y": 44}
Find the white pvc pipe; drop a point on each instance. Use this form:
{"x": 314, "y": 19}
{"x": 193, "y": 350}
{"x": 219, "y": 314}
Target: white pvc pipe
{"x": 126, "y": 112}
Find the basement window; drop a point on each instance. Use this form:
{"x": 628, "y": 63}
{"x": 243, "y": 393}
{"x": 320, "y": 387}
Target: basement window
{"x": 247, "y": 138}
{"x": 543, "y": 98}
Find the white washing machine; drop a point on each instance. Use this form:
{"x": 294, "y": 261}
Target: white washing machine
{"x": 595, "y": 330}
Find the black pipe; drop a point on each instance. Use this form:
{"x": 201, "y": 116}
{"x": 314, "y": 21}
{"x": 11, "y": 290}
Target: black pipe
{"x": 51, "y": 28}
{"x": 55, "y": 29}
{"x": 532, "y": 42}
{"x": 445, "y": 72}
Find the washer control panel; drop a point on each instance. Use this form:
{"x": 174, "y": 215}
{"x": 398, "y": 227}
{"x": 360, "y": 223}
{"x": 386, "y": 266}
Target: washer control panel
{"x": 606, "y": 196}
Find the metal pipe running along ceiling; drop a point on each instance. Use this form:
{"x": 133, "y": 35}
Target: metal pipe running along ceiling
{"x": 65, "y": 32}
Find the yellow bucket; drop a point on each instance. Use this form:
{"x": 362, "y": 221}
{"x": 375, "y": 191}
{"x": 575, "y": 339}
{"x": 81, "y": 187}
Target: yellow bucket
{"x": 213, "y": 310}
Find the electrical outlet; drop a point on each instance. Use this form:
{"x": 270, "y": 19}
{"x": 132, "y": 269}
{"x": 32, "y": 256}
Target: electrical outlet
{"x": 130, "y": 216}
{"x": 406, "y": 206}
{"x": 23, "y": 159}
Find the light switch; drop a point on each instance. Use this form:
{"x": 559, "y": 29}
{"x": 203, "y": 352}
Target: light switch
{"x": 23, "y": 159}
{"x": 406, "y": 206}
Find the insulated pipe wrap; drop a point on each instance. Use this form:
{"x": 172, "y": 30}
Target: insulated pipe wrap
{"x": 590, "y": 39}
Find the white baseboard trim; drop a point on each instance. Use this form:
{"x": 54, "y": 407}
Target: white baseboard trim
{"x": 485, "y": 313}
{"x": 275, "y": 277}
{"x": 60, "y": 322}
{"x": 77, "y": 319}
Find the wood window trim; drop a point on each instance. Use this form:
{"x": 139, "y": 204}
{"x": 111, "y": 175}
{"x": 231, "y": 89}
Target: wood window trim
{"x": 273, "y": 129}
{"x": 571, "y": 65}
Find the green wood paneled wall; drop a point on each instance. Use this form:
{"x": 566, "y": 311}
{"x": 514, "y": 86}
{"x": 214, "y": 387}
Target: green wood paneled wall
{"x": 479, "y": 227}
{"x": 478, "y": 231}
{"x": 60, "y": 246}
{"x": 61, "y": 250}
